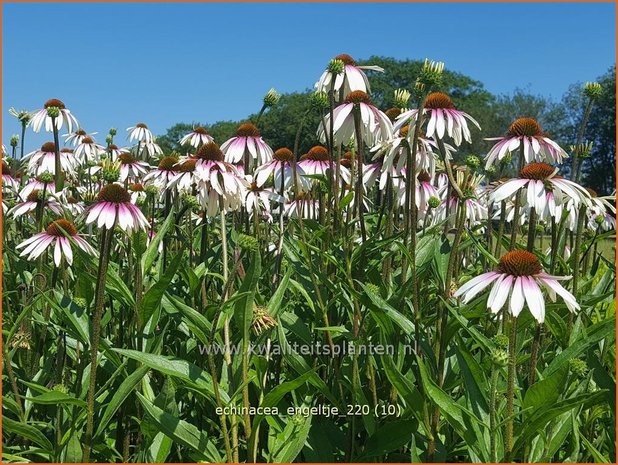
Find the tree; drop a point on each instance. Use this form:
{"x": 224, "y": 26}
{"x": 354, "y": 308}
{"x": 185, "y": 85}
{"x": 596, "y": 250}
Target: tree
{"x": 599, "y": 170}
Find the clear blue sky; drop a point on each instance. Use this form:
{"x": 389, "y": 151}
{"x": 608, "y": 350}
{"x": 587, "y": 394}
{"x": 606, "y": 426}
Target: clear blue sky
{"x": 119, "y": 64}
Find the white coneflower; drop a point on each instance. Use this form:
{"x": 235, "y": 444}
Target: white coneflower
{"x": 247, "y": 140}
{"x": 39, "y": 183}
{"x": 302, "y": 206}
{"x": 282, "y": 157}
{"x": 33, "y": 201}
{"x": 217, "y": 178}
{"x": 77, "y": 136}
{"x": 316, "y": 161}
{"x": 349, "y": 76}
{"x": 375, "y": 126}
{"x": 256, "y": 197}
{"x": 64, "y": 116}
{"x": 139, "y": 133}
{"x": 184, "y": 178}
{"x": 113, "y": 207}
{"x": 88, "y": 150}
{"x": 9, "y": 182}
{"x": 163, "y": 174}
{"x": 44, "y": 160}
{"x": 444, "y": 119}
{"x": 59, "y": 234}
{"x": 526, "y": 132}
{"x": 537, "y": 178}
{"x": 520, "y": 276}
{"x": 196, "y": 138}
{"x": 130, "y": 167}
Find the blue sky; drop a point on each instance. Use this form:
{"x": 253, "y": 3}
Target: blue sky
{"x": 119, "y": 64}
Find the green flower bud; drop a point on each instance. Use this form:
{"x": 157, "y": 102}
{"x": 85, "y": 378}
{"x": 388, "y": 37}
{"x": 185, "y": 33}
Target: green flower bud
{"x": 151, "y": 189}
{"x": 599, "y": 219}
{"x": 431, "y": 74}
{"x": 500, "y": 357}
{"x": 262, "y": 320}
{"x": 79, "y": 301}
{"x": 191, "y": 201}
{"x": 373, "y": 288}
{"x": 402, "y": 97}
{"x": 53, "y": 112}
{"x": 320, "y": 100}
{"x": 14, "y": 140}
{"x": 297, "y": 420}
{"x": 60, "y": 388}
{"x": 473, "y": 162}
{"x": 46, "y": 177}
{"x": 112, "y": 132}
{"x": 434, "y": 202}
{"x": 271, "y": 98}
{"x": 111, "y": 175}
{"x": 247, "y": 242}
{"x": 502, "y": 341}
{"x": 490, "y": 170}
{"x": 578, "y": 367}
{"x": 336, "y": 66}
{"x": 507, "y": 159}
{"x": 109, "y": 139}
{"x": 593, "y": 90}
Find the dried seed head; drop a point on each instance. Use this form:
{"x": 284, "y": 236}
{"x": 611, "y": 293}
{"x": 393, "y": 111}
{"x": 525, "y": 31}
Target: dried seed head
{"x": 61, "y": 228}
{"x": 114, "y": 193}
{"x": 525, "y": 127}
{"x": 519, "y": 263}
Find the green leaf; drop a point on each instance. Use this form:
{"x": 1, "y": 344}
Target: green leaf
{"x": 181, "y": 369}
{"x": 153, "y": 248}
{"x": 274, "y": 304}
{"x": 274, "y": 396}
{"x": 391, "y": 436}
{"x": 542, "y": 417}
{"x": 378, "y": 305}
{"x": 56, "y": 397}
{"x": 603, "y": 330}
{"x": 152, "y": 297}
{"x": 26, "y": 431}
{"x": 182, "y": 432}
{"x": 546, "y": 391}
{"x": 120, "y": 395}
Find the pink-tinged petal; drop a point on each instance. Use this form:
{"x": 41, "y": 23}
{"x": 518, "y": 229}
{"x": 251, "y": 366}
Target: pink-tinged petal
{"x": 507, "y": 189}
{"x": 469, "y": 288}
{"x": 517, "y": 297}
{"x": 57, "y": 252}
{"x": 494, "y": 290}
{"x": 534, "y": 298}
{"x": 94, "y": 212}
{"x": 40, "y": 248}
{"x": 568, "y": 298}
{"x": 502, "y": 294}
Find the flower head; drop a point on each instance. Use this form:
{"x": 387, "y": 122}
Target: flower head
{"x": 53, "y": 113}
{"x": 199, "y": 136}
{"x": 247, "y": 140}
{"x": 113, "y": 206}
{"x": 519, "y": 275}
{"x": 59, "y": 234}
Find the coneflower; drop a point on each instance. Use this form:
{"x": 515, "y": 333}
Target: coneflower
{"x": 199, "y": 136}
{"x": 44, "y": 160}
{"x": 59, "y": 234}
{"x": 53, "y": 114}
{"x": 113, "y": 207}
{"x": 526, "y": 133}
{"x": 247, "y": 141}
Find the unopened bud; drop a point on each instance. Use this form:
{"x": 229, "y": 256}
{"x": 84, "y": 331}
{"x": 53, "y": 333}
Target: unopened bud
{"x": 271, "y": 98}
{"x": 336, "y": 66}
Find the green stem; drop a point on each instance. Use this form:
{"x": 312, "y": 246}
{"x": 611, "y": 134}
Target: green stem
{"x": 106, "y": 241}
{"x": 510, "y": 396}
